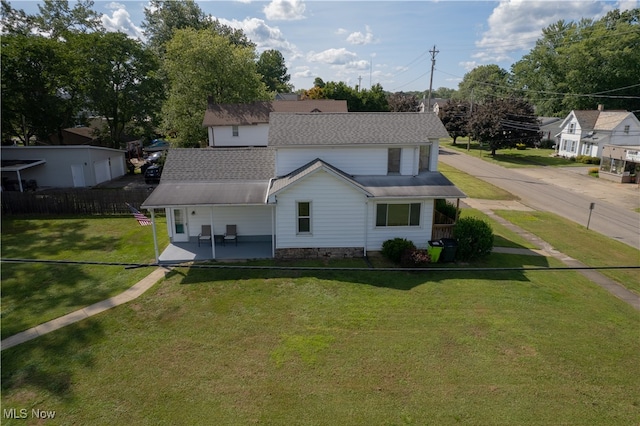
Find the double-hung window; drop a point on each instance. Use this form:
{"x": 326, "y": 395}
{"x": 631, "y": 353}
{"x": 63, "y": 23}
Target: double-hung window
{"x": 393, "y": 160}
{"x": 235, "y": 131}
{"x": 398, "y": 214}
{"x": 303, "y": 210}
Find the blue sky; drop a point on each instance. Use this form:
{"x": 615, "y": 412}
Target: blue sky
{"x": 384, "y": 42}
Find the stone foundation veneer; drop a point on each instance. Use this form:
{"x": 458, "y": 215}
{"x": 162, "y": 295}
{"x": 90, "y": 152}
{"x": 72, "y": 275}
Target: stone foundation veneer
{"x": 313, "y": 253}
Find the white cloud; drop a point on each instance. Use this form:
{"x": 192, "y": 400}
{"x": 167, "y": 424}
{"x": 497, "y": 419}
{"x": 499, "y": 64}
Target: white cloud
{"x": 303, "y": 72}
{"x": 264, "y": 36}
{"x": 515, "y": 25}
{"x": 468, "y": 65}
{"x": 120, "y": 20}
{"x": 341, "y": 31}
{"x": 360, "y": 38}
{"x": 332, "y": 56}
{"x": 285, "y": 10}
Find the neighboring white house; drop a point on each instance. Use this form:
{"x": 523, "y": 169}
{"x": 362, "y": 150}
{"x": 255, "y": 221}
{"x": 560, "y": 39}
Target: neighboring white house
{"x": 60, "y": 166}
{"x": 587, "y": 132}
{"x": 248, "y": 124}
{"x": 337, "y": 183}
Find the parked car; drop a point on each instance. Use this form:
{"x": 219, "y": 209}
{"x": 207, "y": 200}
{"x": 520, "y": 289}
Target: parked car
{"x": 154, "y": 157}
{"x": 153, "y": 174}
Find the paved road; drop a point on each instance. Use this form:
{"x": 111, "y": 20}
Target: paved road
{"x": 566, "y": 192}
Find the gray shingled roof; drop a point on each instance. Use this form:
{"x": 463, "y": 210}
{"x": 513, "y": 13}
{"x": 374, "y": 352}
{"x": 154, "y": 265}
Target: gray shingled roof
{"x": 213, "y": 176}
{"x": 354, "y": 128}
{"x": 211, "y": 164}
{"x": 258, "y": 112}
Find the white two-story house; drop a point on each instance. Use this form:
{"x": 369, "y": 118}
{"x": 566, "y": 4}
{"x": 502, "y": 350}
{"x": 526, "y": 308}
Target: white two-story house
{"x": 587, "y": 132}
{"x": 248, "y": 124}
{"x": 326, "y": 184}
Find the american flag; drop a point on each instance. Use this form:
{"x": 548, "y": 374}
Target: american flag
{"x": 141, "y": 218}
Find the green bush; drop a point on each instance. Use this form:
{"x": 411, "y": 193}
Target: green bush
{"x": 415, "y": 258}
{"x": 446, "y": 208}
{"x": 393, "y": 249}
{"x": 521, "y": 146}
{"x": 547, "y": 143}
{"x": 475, "y": 238}
{"x": 585, "y": 159}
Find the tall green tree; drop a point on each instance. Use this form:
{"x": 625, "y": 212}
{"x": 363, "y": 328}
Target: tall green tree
{"x": 200, "y": 63}
{"x": 503, "y": 123}
{"x": 120, "y": 81}
{"x": 57, "y": 19}
{"x": 272, "y": 67}
{"x": 39, "y": 95}
{"x": 455, "y": 116}
{"x": 164, "y": 17}
{"x": 484, "y": 83}
{"x": 581, "y": 64}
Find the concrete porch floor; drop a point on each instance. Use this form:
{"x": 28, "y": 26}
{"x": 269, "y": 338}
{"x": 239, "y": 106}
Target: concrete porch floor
{"x": 187, "y": 252}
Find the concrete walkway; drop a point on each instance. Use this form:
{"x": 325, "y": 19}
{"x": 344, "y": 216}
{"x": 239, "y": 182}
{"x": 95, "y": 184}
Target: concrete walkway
{"x": 132, "y": 293}
{"x": 545, "y": 249}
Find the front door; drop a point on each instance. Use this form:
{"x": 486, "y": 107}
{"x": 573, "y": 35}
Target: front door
{"x": 180, "y": 228}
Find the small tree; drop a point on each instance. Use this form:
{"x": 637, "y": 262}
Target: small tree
{"x": 455, "y": 117}
{"x": 475, "y": 238}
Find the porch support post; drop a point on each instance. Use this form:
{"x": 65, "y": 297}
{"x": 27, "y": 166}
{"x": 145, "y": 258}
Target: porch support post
{"x": 273, "y": 230}
{"x": 213, "y": 234}
{"x": 155, "y": 236}
{"x": 366, "y": 227}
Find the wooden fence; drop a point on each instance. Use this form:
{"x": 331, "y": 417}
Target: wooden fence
{"x": 72, "y": 201}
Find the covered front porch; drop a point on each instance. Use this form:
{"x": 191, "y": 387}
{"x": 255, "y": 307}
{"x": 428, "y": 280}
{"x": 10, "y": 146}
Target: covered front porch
{"x": 177, "y": 252}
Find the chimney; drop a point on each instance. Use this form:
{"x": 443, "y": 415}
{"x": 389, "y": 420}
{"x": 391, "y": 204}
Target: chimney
{"x": 600, "y": 107}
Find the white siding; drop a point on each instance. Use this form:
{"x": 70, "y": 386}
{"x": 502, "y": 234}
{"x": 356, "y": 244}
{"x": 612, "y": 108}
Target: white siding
{"x": 337, "y": 213}
{"x": 355, "y": 161}
{"x": 256, "y": 135}
{"x": 251, "y": 220}
{"x": 420, "y": 235}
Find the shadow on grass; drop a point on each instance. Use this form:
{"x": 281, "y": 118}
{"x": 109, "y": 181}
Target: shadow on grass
{"x": 398, "y": 280}
{"x": 47, "y": 363}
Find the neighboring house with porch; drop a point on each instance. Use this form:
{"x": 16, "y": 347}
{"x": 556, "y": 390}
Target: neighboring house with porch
{"x": 587, "y": 132}
{"x": 327, "y": 184}
{"x": 248, "y": 124}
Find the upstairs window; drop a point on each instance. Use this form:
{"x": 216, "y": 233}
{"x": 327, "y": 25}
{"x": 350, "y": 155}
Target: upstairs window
{"x": 393, "y": 161}
{"x": 234, "y": 130}
{"x": 626, "y": 129}
{"x": 425, "y": 153}
{"x": 572, "y": 128}
{"x": 304, "y": 217}
{"x": 398, "y": 214}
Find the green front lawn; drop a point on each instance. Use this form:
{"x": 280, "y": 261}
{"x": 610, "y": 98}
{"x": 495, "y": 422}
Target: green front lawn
{"x": 472, "y": 186}
{"x": 230, "y": 347}
{"x": 511, "y": 157}
{"x": 36, "y": 293}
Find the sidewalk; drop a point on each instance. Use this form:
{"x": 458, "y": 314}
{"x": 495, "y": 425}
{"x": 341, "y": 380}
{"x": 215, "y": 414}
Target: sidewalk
{"x": 545, "y": 249}
{"x": 132, "y": 293}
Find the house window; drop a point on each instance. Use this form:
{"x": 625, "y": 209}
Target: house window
{"x": 393, "y": 160}
{"x": 626, "y": 129}
{"x": 304, "y": 217}
{"x": 234, "y": 129}
{"x": 398, "y": 214}
{"x": 423, "y": 165}
{"x": 573, "y": 146}
{"x": 572, "y": 128}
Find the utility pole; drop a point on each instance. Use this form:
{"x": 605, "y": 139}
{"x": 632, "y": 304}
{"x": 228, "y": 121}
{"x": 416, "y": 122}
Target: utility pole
{"x": 470, "y": 114}
{"x": 433, "y": 52}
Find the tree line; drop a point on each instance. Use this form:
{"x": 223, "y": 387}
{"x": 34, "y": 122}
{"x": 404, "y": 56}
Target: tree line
{"x": 60, "y": 67}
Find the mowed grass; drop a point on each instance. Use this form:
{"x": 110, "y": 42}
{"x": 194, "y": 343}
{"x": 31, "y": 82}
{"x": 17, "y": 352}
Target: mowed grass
{"x": 589, "y": 247}
{"x": 35, "y": 293}
{"x": 472, "y": 186}
{"x": 511, "y": 157}
{"x": 230, "y": 347}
